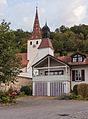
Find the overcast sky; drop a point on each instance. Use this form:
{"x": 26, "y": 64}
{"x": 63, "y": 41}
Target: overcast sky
{"x": 57, "y": 12}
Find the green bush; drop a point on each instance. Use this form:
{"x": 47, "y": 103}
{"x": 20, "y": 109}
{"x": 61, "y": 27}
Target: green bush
{"x": 75, "y": 91}
{"x": 83, "y": 90}
{"x": 26, "y": 89}
{"x": 5, "y": 99}
{"x": 12, "y": 94}
{"x": 70, "y": 96}
{"x": 2, "y": 94}
{"x": 21, "y": 94}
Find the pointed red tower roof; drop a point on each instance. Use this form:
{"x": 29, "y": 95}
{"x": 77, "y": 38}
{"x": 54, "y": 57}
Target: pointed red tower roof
{"x": 36, "y": 34}
{"x": 46, "y": 43}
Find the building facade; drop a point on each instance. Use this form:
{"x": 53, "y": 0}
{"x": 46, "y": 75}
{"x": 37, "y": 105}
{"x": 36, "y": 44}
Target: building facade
{"x": 52, "y": 76}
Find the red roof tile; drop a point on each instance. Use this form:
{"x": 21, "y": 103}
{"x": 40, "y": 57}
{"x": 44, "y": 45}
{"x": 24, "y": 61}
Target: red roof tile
{"x": 68, "y": 60}
{"x": 23, "y": 58}
{"x": 45, "y": 43}
{"x": 36, "y": 34}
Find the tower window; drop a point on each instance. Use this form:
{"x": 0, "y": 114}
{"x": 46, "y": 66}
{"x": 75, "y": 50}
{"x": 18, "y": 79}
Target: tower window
{"x": 30, "y": 43}
{"x": 36, "y": 42}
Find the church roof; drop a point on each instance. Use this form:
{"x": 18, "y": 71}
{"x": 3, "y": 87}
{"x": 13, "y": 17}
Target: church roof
{"x": 23, "y": 59}
{"x": 36, "y": 34}
{"x": 45, "y": 43}
{"x": 46, "y": 31}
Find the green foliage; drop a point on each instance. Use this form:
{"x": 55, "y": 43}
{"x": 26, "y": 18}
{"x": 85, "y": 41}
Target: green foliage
{"x": 63, "y": 29}
{"x": 8, "y": 97}
{"x": 70, "y": 39}
{"x": 81, "y": 29}
{"x": 21, "y": 94}
{"x": 70, "y": 96}
{"x": 21, "y": 38}
{"x": 4, "y": 98}
{"x": 75, "y": 90}
{"x": 83, "y": 90}
{"x": 8, "y": 60}
{"x": 26, "y": 89}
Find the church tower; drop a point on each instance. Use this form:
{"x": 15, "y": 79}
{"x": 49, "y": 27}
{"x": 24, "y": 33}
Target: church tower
{"x": 38, "y": 47}
{"x": 45, "y": 46}
{"x": 35, "y": 40}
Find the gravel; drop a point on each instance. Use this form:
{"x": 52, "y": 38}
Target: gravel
{"x": 45, "y": 108}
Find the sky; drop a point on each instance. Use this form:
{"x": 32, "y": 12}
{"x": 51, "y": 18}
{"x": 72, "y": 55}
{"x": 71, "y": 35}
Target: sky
{"x": 21, "y": 13}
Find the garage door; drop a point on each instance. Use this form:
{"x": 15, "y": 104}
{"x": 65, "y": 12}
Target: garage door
{"x": 56, "y": 88}
{"x": 41, "y": 89}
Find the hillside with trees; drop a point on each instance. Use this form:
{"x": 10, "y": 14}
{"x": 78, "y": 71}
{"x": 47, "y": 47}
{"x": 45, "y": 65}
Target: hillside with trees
{"x": 71, "y": 39}
{"x": 64, "y": 39}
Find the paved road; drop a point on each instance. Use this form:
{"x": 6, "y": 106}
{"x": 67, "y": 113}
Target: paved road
{"x": 45, "y": 108}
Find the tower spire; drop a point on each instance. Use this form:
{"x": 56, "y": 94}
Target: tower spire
{"x": 36, "y": 34}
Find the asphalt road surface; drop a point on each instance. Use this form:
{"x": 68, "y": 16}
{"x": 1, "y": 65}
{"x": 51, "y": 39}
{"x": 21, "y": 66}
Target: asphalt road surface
{"x": 45, "y": 108}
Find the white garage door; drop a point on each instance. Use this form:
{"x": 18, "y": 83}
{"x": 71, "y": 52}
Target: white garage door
{"x": 56, "y": 88}
{"x": 41, "y": 89}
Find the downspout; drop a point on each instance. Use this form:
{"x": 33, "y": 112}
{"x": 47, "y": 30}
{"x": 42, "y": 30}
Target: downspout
{"x": 70, "y": 80}
{"x": 48, "y": 65}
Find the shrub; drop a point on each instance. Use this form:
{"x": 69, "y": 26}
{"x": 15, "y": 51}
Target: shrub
{"x": 75, "y": 91}
{"x": 26, "y": 89}
{"x": 12, "y": 95}
{"x": 83, "y": 90}
{"x": 2, "y": 94}
{"x": 21, "y": 94}
{"x": 5, "y": 99}
{"x": 68, "y": 96}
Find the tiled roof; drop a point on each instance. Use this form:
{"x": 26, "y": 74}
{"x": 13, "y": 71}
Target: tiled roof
{"x": 36, "y": 34}
{"x": 68, "y": 60}
{"x": 23, "y": 59}
{"x": 45, "y": 43}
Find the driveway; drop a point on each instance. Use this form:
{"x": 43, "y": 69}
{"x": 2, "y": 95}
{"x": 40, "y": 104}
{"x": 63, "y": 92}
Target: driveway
{"x": 45, "y": 108}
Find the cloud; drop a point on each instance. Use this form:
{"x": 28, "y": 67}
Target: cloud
{"x": 80, "y": 11}
{"x": 27, "y": 22}
{"x": 74, "y": 13}
{"x": 3, "y": 2}
{"x": 21, "y": 13}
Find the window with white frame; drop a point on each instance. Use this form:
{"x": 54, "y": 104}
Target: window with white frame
{"x": 58, "y": 72}
{"x": 78, "y": 75}
{"x": 78, "y": 58}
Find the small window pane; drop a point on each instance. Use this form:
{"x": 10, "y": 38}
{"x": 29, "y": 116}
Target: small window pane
{"x": 78, "y": 75}
{"x": 36, "y": 42}
{"x": 80, "y": 58}
{"x": 30, "y": 43}
{"x": 74, "y": 59}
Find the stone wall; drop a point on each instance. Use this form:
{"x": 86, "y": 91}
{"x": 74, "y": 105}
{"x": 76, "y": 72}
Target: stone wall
{"x": 21, "y": 81}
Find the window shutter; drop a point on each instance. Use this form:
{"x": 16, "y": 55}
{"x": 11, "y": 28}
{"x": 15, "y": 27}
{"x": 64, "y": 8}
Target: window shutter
{"x": 73, "y": 75}
{"x": 83, "y": 75}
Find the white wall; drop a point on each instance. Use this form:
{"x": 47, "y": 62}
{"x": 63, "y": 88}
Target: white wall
{"x": 32, "y": 51}
{"x": 51, "y": 78}
{"x": 42, "y": 53}
{"x": 86, "y": 75}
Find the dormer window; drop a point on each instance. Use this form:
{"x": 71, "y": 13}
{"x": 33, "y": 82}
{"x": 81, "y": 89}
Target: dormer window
{"x": 78, "y": 58}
